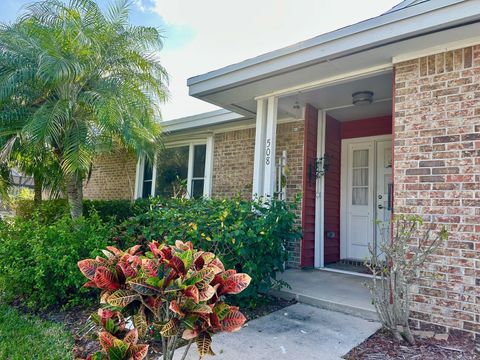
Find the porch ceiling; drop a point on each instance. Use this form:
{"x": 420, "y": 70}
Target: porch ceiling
{"x": 337, "y": 99}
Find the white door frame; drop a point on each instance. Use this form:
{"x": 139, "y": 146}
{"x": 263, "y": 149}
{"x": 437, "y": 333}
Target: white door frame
{"x": 344, "y": 184}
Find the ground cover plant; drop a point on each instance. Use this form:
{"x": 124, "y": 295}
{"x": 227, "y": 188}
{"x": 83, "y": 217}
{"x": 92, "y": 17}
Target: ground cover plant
{"x": 171, "y": 291}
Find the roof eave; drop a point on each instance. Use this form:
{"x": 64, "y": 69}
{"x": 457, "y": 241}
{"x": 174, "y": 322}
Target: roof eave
{"x": 340, "y": 42}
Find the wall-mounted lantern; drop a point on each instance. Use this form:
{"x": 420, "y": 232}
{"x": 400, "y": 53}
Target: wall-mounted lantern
{"x": 321, "y": 165}
{"x": 318, "y": 168}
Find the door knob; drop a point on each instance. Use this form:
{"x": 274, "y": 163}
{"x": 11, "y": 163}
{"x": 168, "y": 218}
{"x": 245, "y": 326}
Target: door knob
{"x": 381, "y": 207}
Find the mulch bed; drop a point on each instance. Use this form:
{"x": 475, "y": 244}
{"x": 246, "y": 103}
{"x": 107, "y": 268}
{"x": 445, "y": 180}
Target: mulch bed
{"x": 76, "y": 321}
{"x": 381, "y": 346}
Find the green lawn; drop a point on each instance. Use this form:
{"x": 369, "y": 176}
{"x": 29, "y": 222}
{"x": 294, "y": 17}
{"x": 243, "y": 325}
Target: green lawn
{"x": 25, "y": 337}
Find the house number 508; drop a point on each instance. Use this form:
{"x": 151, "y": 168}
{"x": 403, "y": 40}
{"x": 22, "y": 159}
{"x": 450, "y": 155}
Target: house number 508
{"x": 268, "y": 152}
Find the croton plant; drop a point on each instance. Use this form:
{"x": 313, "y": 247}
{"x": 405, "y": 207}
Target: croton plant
{"x": 172, "y": 291}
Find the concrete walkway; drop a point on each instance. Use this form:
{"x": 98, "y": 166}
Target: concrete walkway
{"x": 295, "y": 332}
{"x": 329, "y": 290}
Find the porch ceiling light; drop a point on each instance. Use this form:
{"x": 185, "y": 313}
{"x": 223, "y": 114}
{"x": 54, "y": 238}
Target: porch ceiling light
{"x": 362, "y": 98}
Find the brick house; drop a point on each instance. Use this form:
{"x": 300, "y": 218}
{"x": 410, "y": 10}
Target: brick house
{"x": 380, "y": 116}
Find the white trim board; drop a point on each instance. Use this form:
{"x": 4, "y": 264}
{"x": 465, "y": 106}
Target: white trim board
{"x": 437, "y": 49}
{"x": 319, "y": 249}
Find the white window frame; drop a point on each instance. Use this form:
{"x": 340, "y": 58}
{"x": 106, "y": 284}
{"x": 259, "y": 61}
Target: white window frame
{"x": 207, "y": 179}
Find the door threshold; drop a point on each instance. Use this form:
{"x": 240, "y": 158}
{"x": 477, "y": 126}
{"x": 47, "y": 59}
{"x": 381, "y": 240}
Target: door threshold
{"x": 347, "y": 272}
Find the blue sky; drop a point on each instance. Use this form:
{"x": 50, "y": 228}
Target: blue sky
{"x": 203, "y": 35}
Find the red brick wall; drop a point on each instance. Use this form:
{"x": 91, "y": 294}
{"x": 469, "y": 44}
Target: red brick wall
{"x": 113, "y": 177}
{"x": 437, "y": 176}
{"x": 233, "y": 166}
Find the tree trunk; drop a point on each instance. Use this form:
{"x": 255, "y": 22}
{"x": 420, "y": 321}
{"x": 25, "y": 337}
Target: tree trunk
{"x": 37, "y": 189}
{"x": 74, "y": 187}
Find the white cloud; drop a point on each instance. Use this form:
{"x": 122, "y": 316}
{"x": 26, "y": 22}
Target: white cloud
{"x": 228, "y": 31}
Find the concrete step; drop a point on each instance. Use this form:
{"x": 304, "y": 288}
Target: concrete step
{"x": 341, "y": 292}
{"x": 349, "y": 309}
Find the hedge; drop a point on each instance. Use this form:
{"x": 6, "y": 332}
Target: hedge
{"x": 51, "y": 210}
{"x": 38, "y": 264}
{"x": 39, "y": 250}
{"x": 247, "y": 235}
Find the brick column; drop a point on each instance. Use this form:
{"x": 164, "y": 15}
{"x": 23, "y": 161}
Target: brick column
{"x": 437, "y": 176}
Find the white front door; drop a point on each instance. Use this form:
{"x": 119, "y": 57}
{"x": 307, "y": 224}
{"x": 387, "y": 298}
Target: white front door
{"x": 366, "y": 175}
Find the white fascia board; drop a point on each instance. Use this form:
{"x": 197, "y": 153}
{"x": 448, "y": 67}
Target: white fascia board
{"x": 200, "y": 120}
{"x": 384, "y": 29}
{"x": 437, "y": 49}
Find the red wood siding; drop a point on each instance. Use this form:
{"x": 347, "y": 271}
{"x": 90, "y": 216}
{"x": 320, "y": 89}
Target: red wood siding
{"x": 368, "y": 127}
{"x": 309, "y": 182}
{"x": 332, "y": 190}
{"x": 334, "y": 133}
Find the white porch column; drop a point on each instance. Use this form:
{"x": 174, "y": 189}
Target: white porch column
{"x": 270, "y": 146}
{"x": 207, "y": 185}
{"x": 265, "y": 141}
{"x": 258, "y": 162}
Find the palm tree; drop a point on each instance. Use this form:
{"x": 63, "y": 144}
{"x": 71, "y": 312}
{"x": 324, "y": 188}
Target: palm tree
{"x": 39, "y": 162}
{"x": 79, "y": 82}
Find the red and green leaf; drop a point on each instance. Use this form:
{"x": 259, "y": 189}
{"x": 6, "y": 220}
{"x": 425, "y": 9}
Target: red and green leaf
{"x": 106, "y": 340}
{"x": 88, "y": 268}
{"x": 106, "y": 279}
{"x": 114, "y": 250}
{"x": 122, "y": 298}
{"x": 139, "y": 352}
{"x": 140, "y": 322}
{"x": 177, "y": 264}
{"x": 175, "y": 307}
{"x": 233, "y": 321}
{"x": 221, "y": 309}
{"x": 189, "y": 334}
{"x": 150, "y": 267}
{"x": 236, "y": 283}
{"x": 118, "y": 351}
{"x": 140, "y": 287}
{"x": 193, "y": 293}
{"x": 131, "y": 337}
{"x": 217, "y": 266}
{"x": 171, "y": 328}
{"x": 201, "y": 309}
{"x": 133, "y": 250}
{"x": 204, "y": 343}
{"x": 206, "y": 293}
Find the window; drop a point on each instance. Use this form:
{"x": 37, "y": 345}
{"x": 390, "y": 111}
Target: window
{"x": 172, "y": 172}
{"x": 147, "y": 179}
{"x": 183, "y": 170}
{"x": 360, "y": 177}
{"x": 198, "y": 178}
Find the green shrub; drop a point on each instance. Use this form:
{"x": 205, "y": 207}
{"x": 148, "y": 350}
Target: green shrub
{"x": 47, "y": 211}
{"x": 246, "y": 235}
{"x": 38, "y": 260}
{"x": 50, "y": 211}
